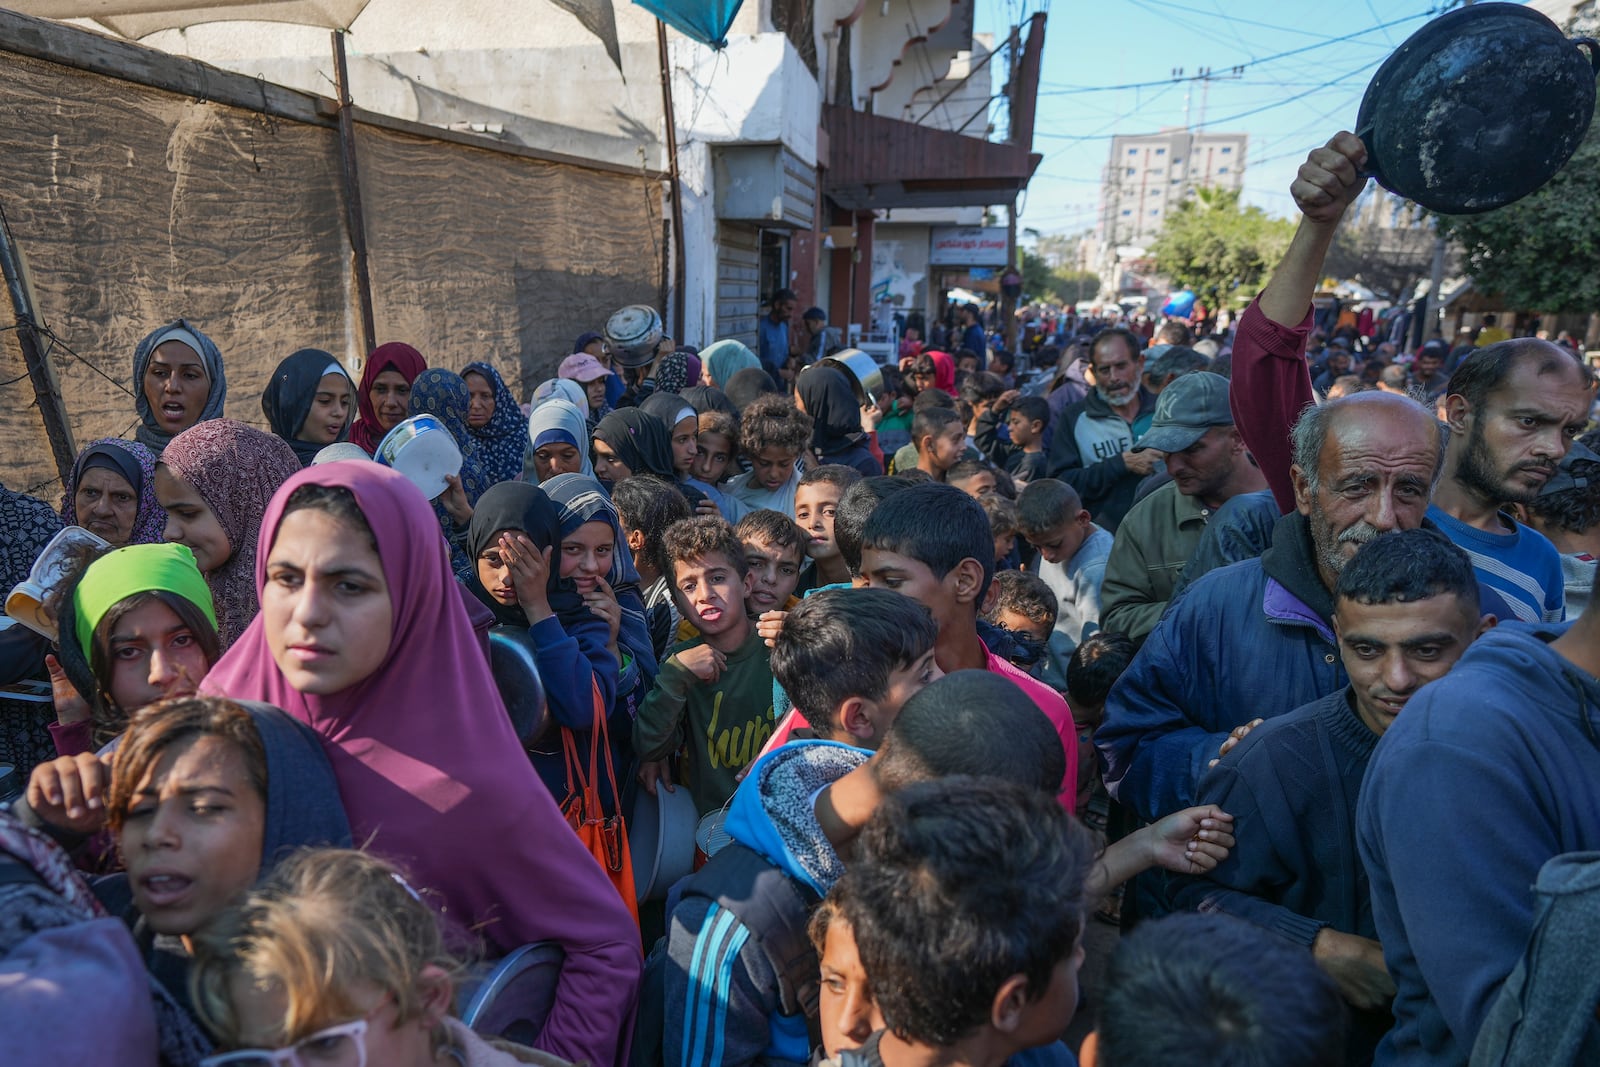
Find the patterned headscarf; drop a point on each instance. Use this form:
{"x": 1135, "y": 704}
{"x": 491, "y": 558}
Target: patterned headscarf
{"x": 672, "y": 373}
{"x": 136, "y": 464}
{"x": 443, "y": 394}
{"x": 26, "y": 526}
{"x": 149, "y": 433}
{"x": 501, "y": 441}
{"x": 583, "y": 500}
{"x": 235, "y": 469}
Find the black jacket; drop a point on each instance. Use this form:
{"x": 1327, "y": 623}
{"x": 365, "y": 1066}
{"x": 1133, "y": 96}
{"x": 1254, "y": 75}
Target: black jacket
{"x": 1086, "y": 453}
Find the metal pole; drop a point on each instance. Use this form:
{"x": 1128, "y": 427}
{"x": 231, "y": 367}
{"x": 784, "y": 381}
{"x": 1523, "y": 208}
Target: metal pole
{"x": 670, "y": 120}
{"x": 1008, "y": 303}
{"x": 354, "y": 220}
{"x": 1435, "y": 304}
{"x": 44, "y": 383}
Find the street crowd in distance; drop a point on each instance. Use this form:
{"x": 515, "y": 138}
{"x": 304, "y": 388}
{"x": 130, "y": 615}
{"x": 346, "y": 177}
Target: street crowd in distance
{"x": 732, "y": 709}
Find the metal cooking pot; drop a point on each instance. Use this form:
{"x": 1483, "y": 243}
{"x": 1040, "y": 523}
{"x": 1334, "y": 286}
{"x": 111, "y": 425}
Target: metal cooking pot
{"x": 516, "y": 675}
{"x": 634, "y": 333}
{"x": 1478, "y": 108}
{"x": 866, "y": 377}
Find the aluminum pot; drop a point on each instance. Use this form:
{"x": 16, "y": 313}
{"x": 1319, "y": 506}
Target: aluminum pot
{"x": 634, "y": 333}
{"x": 866, "y": 377}
{"x": 516, "y": 675}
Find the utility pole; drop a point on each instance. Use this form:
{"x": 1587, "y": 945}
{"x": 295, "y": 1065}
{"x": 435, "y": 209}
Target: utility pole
{"x": 1205, "y": 76}
{"x": 354, "y": 219}
{"x": 1008, "y": 303}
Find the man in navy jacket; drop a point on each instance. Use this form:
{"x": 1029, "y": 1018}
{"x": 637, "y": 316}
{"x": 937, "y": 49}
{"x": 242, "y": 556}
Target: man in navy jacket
{"x": 1255, "y": 640}
{"x": 1406, "y": 608}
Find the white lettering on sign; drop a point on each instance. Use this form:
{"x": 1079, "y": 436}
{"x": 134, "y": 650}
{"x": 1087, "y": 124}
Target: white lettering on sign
{"x": 967, "y": 246}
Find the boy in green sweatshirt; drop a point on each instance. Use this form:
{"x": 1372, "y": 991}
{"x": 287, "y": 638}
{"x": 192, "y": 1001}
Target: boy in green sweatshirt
{"x": 713, "y": 697}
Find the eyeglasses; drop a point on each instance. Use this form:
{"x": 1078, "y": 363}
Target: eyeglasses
{"x": 344, "y": 1045}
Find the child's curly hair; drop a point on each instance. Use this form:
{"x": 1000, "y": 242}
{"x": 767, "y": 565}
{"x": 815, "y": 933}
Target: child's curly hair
{"x": 772, "y": 421}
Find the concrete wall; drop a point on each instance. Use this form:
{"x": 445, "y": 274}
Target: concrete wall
{"x": 756, "y": 91}
{"x": 531, "y": 74}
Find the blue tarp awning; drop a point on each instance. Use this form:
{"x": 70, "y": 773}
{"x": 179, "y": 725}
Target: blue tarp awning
{"x": 706, "y": 21}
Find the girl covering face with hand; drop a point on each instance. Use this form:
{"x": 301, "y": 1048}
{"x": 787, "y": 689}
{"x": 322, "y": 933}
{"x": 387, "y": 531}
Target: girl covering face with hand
{"x": 515, "y": 535}
{"x": 363, "y": 636}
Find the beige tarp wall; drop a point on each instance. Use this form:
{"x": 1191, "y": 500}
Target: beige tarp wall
{"x": 134, "y": 205}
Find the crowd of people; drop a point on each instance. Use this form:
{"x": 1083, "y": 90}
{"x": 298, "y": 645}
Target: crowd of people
{"x": 1266, "y": 646}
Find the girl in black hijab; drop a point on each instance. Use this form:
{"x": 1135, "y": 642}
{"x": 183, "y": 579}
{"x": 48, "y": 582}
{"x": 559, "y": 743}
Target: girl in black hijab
{"x": 824, "y": 393}
{"x": 308, "y": 402}
{"x": 515, "y": 542}
{"x": 632, "y": 441}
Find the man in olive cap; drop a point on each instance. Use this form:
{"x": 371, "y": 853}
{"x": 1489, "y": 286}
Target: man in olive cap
{"x": 1209, "y": 466}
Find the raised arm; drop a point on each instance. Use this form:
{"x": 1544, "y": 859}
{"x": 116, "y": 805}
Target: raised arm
{"x": 1271, "y": 382}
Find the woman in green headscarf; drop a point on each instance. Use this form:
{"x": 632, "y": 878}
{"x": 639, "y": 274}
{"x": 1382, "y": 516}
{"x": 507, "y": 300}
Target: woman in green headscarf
{"x": 137, "y": 626}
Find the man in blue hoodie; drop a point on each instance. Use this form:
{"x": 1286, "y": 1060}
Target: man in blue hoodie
{"x": 1255, "y": 640}
{"x": 1490, "y": 773}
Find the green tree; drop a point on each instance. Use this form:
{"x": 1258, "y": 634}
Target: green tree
{"x": 1539, "y": 253}
{"x": 1040, "y": 281}
{"x": 1076, "y": 286}
{"x": 1219, "y": 249}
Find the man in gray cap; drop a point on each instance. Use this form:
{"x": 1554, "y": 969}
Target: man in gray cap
{"x": 1165, "y": 364}
{"x": 1193, "y": 425}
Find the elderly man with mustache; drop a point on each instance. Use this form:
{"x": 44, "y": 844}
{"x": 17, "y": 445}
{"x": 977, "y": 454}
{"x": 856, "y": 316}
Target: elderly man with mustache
{"x": 1512, "y": 408}
{"x": 1255, "y": 640}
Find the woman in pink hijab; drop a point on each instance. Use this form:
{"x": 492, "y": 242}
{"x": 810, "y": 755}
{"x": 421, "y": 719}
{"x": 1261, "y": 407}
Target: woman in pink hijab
{"x": 363, "y": 636}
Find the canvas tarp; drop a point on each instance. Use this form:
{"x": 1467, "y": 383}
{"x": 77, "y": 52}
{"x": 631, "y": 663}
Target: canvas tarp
{"x": 134, "y": 205}
{"x": 140, "y": 18}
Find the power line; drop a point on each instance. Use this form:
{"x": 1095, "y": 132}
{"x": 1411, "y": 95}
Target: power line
{"x": 1252, "y": 63}
{"x": 1229, "y": 118}
{"x": 1240, "y": 19}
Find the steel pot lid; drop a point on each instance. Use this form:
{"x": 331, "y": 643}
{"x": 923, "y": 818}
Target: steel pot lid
{"x": 1478, "y": 108}
{"x": 516, "y": 675}
{"x": 634, "y": 332}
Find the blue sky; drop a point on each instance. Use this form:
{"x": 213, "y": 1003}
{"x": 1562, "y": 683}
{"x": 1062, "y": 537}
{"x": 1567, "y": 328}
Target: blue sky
{"x": 1288, "y": 104}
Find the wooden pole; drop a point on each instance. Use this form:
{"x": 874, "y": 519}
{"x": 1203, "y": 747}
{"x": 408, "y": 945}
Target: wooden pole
{"x": 45, "y": 391}
{"x": 670, "y": 118}
{"x": 354, "y": 219}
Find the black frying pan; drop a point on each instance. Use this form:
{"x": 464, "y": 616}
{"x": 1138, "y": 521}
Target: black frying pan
{"x": 1479, "y": 108}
